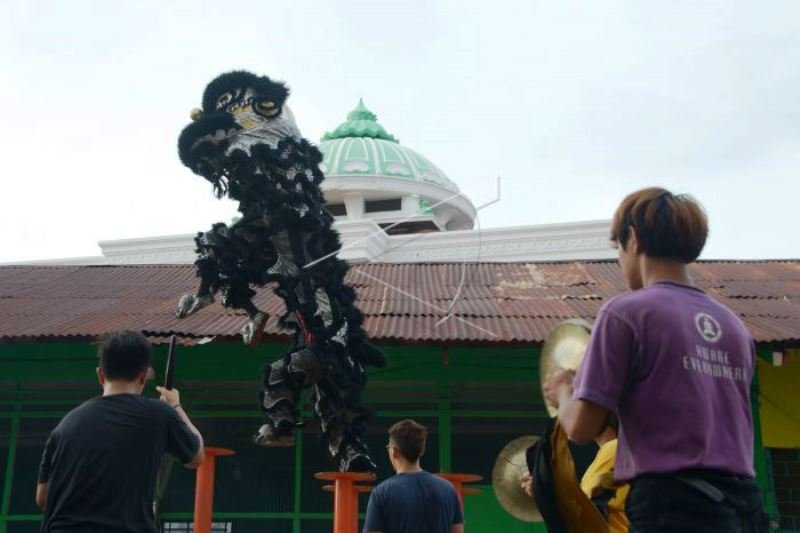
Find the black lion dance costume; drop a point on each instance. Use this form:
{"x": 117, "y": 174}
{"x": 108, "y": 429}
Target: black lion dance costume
{"x": 246, "y": 144}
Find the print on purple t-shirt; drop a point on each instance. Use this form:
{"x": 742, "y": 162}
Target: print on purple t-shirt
{"x": 675, "y": 365}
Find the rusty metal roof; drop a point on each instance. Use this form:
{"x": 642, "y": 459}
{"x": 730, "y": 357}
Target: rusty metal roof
{"x": 429, "y": 303}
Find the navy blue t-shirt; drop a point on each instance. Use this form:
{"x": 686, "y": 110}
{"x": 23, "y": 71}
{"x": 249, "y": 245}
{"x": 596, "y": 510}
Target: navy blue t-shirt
{"x": 418, "y": 502}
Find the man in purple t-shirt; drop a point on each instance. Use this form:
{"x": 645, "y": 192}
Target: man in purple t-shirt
{"x": 675, "y": 365}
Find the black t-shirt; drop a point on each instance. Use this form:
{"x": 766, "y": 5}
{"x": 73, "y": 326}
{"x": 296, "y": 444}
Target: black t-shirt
{"x": 418, "y": 502}
{"x": 101, "y": 462}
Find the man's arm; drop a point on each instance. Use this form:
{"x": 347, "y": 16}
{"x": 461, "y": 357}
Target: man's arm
{"x": 44, "y": 471}
{"x": 41, "y": 495}
{"x": 582, "y": 420}
{"x": 601, "y": 379}
{"x": 173, "y": 398}
{"x": 201, "y": 453}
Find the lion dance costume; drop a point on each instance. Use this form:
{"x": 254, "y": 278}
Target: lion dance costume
{"x": 244, "y": 141}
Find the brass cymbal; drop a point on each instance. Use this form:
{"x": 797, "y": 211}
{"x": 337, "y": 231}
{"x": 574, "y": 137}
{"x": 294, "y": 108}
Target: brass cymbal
{"x": 509, "y": 467}
{"x": 563, "y": 349}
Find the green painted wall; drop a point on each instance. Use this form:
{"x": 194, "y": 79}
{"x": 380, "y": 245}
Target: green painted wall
{"x": 445, "y": 389}
{"x": 474, "y": 400}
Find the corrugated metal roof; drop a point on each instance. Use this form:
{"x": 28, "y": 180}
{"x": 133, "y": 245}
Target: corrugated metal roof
{"x": 431, "y": 303}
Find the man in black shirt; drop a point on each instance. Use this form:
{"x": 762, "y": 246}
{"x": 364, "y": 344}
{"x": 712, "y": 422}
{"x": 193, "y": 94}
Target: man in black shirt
{"x": 99, "y": 466}
{"x": 413, "y": 501}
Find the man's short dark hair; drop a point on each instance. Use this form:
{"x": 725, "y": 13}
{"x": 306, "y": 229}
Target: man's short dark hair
{"x": 124, "y": 354}
{"x": 667, "y": 226}
{"x": 409, "y": 438}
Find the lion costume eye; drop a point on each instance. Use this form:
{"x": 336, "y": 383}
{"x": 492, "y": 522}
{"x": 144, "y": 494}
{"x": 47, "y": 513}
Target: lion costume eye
{"x": 227, "y": 98}
{"x": 267, "y": 108}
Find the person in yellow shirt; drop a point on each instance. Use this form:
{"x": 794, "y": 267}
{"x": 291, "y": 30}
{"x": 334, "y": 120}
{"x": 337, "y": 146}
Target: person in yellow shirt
{"x": 598, "y": 481}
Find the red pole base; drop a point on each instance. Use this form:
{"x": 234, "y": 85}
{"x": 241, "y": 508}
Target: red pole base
{"x": 458, "y": 481}
{"x": 345, "y": 497}
{"x": 204, "y": 489}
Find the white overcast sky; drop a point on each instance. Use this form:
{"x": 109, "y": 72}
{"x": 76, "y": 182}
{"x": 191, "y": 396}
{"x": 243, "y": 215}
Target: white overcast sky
{"x": 575, "y": 104}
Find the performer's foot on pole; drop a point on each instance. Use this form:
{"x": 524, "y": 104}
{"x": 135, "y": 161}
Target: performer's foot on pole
{"x": 268, "y": 437}
{"x": 351, "y": 459}
{"x": 191, "y": 303}
{"x": 254, "y": 329}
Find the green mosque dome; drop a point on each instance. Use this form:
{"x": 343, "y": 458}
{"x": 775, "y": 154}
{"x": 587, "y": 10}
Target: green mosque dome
{"x": 362, "y": 147}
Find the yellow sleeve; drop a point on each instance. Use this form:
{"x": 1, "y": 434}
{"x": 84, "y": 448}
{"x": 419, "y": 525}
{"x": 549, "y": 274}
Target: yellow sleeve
{"x": 602, "y": 465}
{"x": 601, "y": 468}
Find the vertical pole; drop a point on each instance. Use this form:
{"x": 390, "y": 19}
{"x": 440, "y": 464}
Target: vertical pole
{"x": 458, "y": 481}
{"x": 354, "y": 510}
{"x": 343, "y": 506}
{"x": 345, "y": 497}
{"x": 8, "y": 482}
{"x": 298, "y": 477}
{"x": 204, "y": 496}
{"x": 444, "y": 408}
{"x": 204, "y": 490}
{"x": 445, "y": 432}
{"x": 445, "y": 437}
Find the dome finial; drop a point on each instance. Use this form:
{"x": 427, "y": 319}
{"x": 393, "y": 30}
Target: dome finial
{"x": 362, "y": 113}
{"x": 361, "y": 122}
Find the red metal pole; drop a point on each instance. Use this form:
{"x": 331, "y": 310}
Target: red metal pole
{"x": 345, "y": 497}
{"x": 458, "y": 481}
{"x": 204, "y": 490}
{"x": 357, "y": 489}
{"x": 343, "y": 506}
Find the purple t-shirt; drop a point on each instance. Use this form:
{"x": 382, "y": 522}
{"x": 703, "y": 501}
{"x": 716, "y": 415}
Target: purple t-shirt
{"x": 675, "y": 365}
